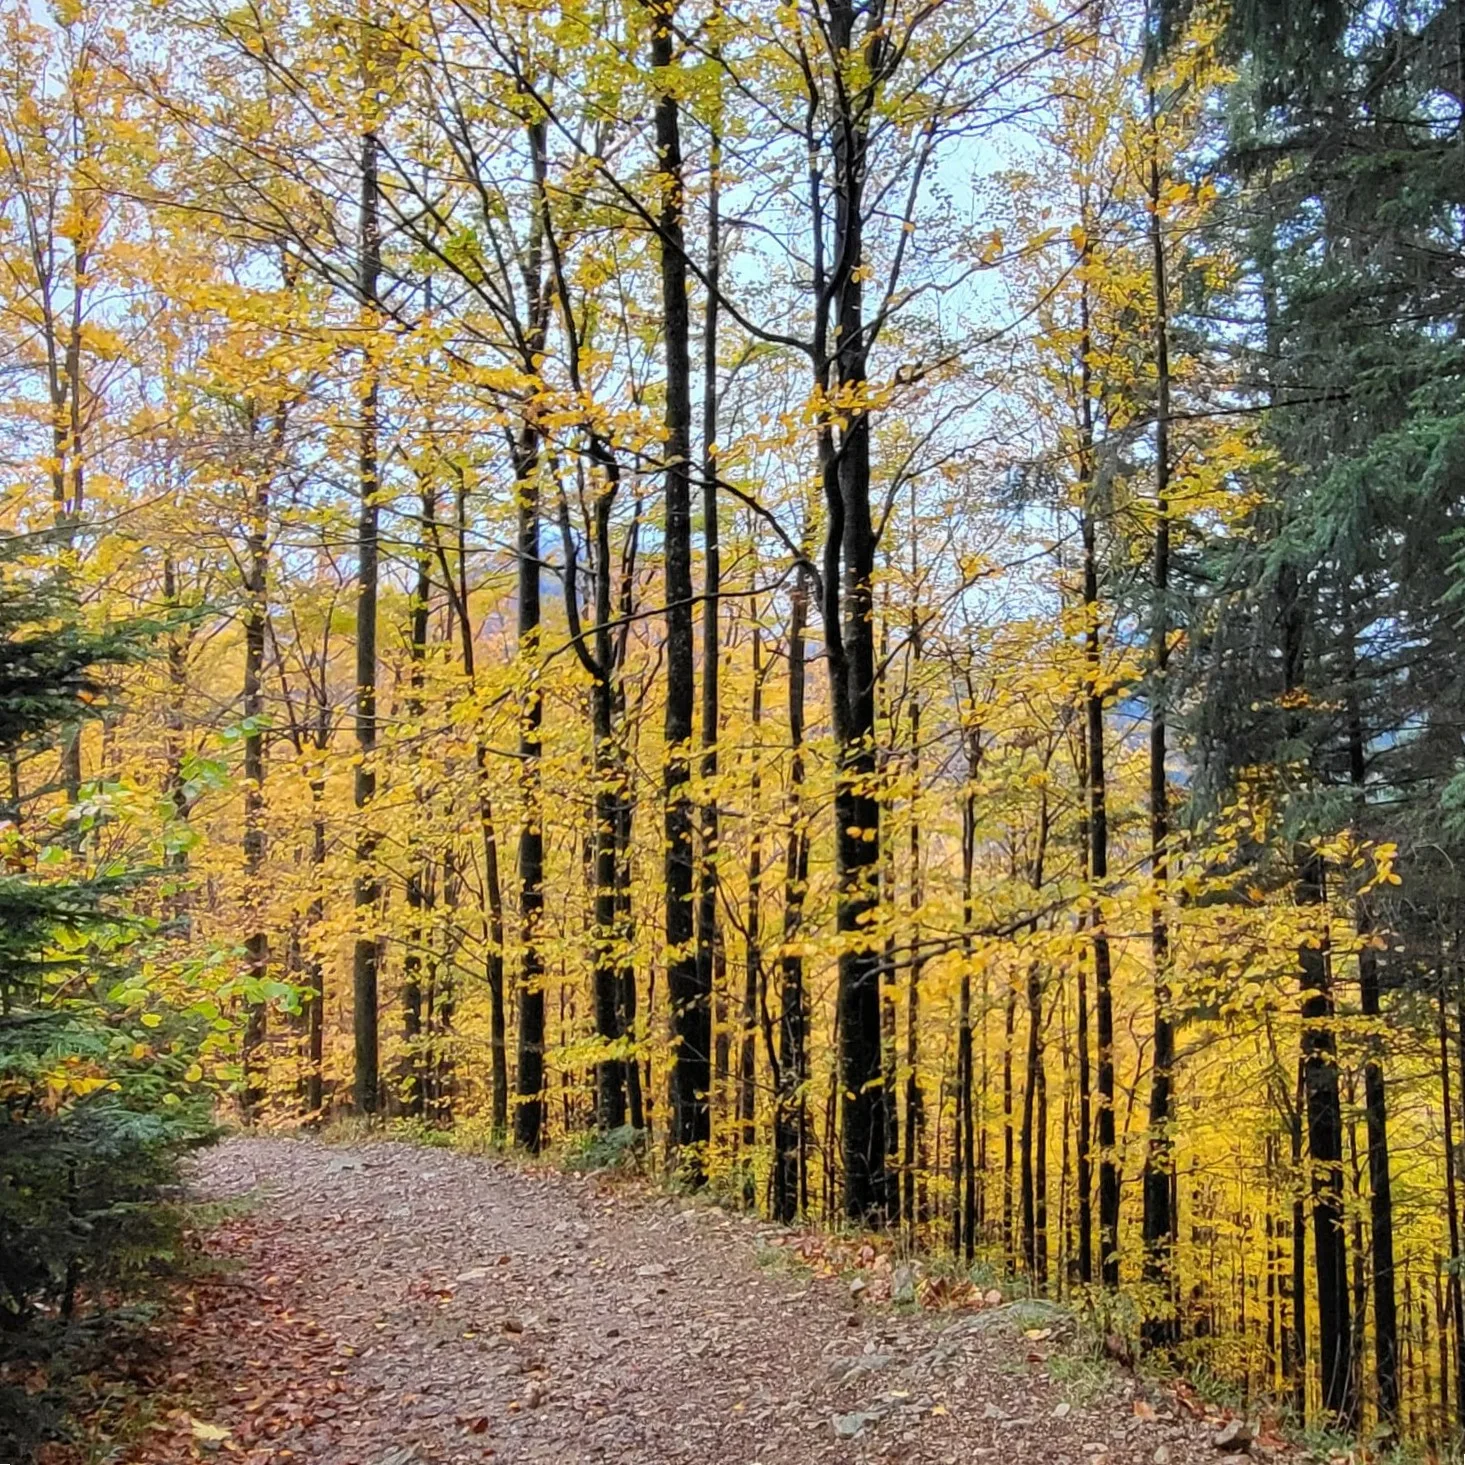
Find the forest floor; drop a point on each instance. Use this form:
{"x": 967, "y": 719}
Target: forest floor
{"x": 391, "y": 1304}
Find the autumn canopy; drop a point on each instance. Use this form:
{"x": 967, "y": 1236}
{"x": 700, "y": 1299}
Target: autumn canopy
{"x": 856, "y": 599}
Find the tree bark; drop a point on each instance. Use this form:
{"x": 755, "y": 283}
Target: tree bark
{"x": 1320, "y": 1083}
{"x": 964, "y": 1202}
{"x": 1375, "y": 1105}
{"x": 529, "y": 1110}
{"x": 790, "y": 1122}
{"x": 709, "y": 954}
{"x": 1158, "y": 1224}
{"x": 1453, "y": 1288}
{"x": 752, "y": 949}
{"x": 366, "y": 954}
{"x": 1098, "y": 822}
{"x": 411, "y": 1076}
{"x": 689, "y": 995}
{"x": 849, "y": 630}
{"x": 1083, "y": 1162}
{"x": 914, "y": 1099}
{"x": 256, "y": 941}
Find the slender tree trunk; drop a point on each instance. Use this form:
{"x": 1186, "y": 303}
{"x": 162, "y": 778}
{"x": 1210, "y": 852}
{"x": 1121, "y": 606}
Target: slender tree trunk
{"x": 964, "y": 1208}
{"x": 914, "y": 1099}
{"x": 176, "y": 786}
{"x": 256, "y": 941}
{"x": 752, "y": 951}
{"x": 491, "y": 904}
{"x": 1272, "y": 1372}
{"x": 1457, "y": 1281}
{"x": 1099, "y": 875}
{"x": 366, "y": 955}
{"x": 1359, "y": 1288}
{"x": 411, "y": 1077}
{"x": 1083, "y": 1157}
{"x": 1029, "y": 1100}
{"x": 639, "y": 1105}
{"x": 690, "y": 998}
{"x": 1158, "y": 1223}
{"x": 1442, "y": 1339}
{"x": 1320, "y": 1070}
{"x": 315, "y": 967}
{"x": 1325, "y": 1151}
{"x": 1375, "y": 1105}
{"x": 614, "y": 982}
{"x": 1040, "y": 1179}
{"x": 1009, "y": 1014}
{"x": 1453, "y": 1287}
{"x": 610, "y": 1088}
{"x": 1034, "y": 1079}
{"x": 849, "y": 632}
{"x": 1097, "y": 812}
{"x": 790, "y": 1120}
{"x": 1297, "y": 1363}
{"x": 63, "y": 341}
{"x": 709, "y": 962}
{"x": 529, "y": 1110}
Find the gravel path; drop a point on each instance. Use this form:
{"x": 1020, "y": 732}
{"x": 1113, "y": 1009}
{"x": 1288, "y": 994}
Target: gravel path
{"x": 394, "y": 1305}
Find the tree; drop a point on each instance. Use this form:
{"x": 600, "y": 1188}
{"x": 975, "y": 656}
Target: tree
{"x": 89, "y": 1143}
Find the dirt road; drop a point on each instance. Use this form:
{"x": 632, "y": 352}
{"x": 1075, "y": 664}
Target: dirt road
{"x": 395, "y": 1305}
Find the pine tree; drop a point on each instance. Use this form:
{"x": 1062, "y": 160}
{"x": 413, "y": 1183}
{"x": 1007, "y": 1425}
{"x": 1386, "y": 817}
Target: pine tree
{"x": 91, "y": 1126}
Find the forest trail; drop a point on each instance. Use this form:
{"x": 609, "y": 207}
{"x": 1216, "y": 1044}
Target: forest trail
{"x": 395, "y": 1305}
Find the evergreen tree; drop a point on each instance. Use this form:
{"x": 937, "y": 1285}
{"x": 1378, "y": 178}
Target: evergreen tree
{"x": 91, "y": 1122}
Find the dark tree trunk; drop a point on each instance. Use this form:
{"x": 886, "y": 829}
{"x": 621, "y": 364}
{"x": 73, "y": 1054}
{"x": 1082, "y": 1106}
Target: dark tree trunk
{"x": 1099, "y": 874}
{"x": 1040, "y": 1180}
{"x": 1009, "y": 1016}
{"x": 529, "y": 1109}
{"x": 256, "y": 941}
{"x": 1297, "y": 1361}
{"x": 315, "y": 970}
{"x": 790, "y": 1120}
{"x": 173, "y": 740}
{"x": 753, "y": 995}
{"x": 1158, "y": 1223}
{"x": 411, "y": 1077}
{"x": 1375, "y": 1106}
{"x": 1453, "y": 1287}
{"x": 1029, "y": 1101}
{"x": 1034, "y": 1080}
{"x": 964, "y": 1203}
{"x": 915, "y": 1109}
{"x": 1320, "y": 1083}
{"x": 1457, "y": 1281}
{"x": 639, "y": 1108}
{"x": 1083, "y": 1162}
{"x": 63, "y": 346}
{"x": 689, "y": 997}
{"x": 849, "y": 624}
{"x": 709, "y": 953}
{"x": 366, "y": 955}
{"x": 1325, "y": 1151}
{"x": 1097, "y": 811}
{"x": 610, "y": 1088}
{"x": 491, "y": 894}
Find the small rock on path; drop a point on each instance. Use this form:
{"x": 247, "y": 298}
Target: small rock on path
{"x": 397, "y": 1305}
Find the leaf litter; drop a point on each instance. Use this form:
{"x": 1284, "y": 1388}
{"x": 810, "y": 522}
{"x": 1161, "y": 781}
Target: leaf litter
{"x": 396, "y": 1305}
